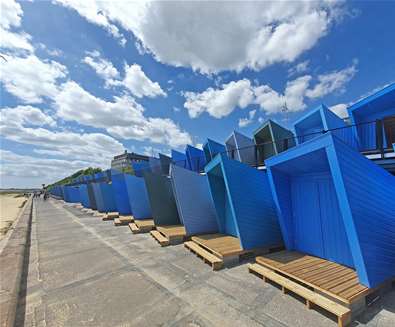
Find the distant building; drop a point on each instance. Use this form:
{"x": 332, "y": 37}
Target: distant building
{"x": 125, "y": 160}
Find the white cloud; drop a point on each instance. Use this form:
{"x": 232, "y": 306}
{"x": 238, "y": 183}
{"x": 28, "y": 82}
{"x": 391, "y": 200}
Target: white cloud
{"x": 102, "y": 67}
{"x": 340, "y": 110}
{"x": 11, "y": 13}
{"x": 15, "y": 41}
{"x": 25, "y": 115}
{"x": 139, "y": 84}
{"x": 333, "y": 81}
{"x": 221, "y": 36}
{"x": 301, "y": 67}
{"x": 221, "y": 102}
{"x": 123, "y": 118}
{"x": 31, "y": 79}
{"x": 243, "y": 122}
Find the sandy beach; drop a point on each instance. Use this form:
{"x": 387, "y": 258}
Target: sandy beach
{"x": 10, "y": 206}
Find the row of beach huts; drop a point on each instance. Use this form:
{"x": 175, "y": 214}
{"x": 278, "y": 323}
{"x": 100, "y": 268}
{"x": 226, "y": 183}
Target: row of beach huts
{"x": 309, "y": 205}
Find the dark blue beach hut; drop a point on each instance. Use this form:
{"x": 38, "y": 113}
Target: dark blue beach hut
{"x": 319, "y": 121}
{"x": 161, "y": 199}
{"x": 72, "y": 194}
{"x": 138, "y": 168}
{"x": 194, "y": 202}
{"x": 374, "y": 117}
{"x": 179, "y": 158}
{"x": 270, "y": 139}
{"x": 84, "y": 196}
{"x": 138, "y": 197}
{"x": 195, "y": 158}
{"x": 165, "y": 162}
{"x": 243, "y": 203}
{"x": 108, "y": 197}
{"x": 120, "y": 193}
{"x": 155, "y": 166}
{"x": 98, "y": 197}
{"x": 335, "y": 204}
{"x": 212, "y": 148}
{"x": 241, "y": 148}
{"x": 91, "y": 196}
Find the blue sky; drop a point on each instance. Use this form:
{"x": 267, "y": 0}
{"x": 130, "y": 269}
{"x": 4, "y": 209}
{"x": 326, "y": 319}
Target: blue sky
{"x": 83, "y": 80}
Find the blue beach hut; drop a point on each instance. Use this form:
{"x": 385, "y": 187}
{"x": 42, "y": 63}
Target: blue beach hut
{"x": 108, "y": 197}
{"x": 318, "y": 122}
{"x": 243, "y": 202}
{"x": 72, "y": 194}
{"x": 374, "y": 117}
{"x": 165, "y": 162}
{"x": 91, "y": 196}
{"x": 84, "y": 196}
{"x": 195, "y": 158}
{"x": 212, "y": 148}
{"x": 138, "y": 197}
{"x": 179, "y": 158}
{"x": 335, "y": 204}
{"x": 138, "y": 168}
{"x": 155, "y": 165}
{"x": 120, "y": 193}
{"x": 270, "y": 139}
{"x": 161, "y": 199}
{"x": 241, "y": 148}
{"x": 99, "y": 202}
{"x": 194, "y": 202}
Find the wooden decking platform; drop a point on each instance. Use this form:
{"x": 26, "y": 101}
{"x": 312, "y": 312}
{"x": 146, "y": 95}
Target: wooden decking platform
{"x": 169, "y": 235}
{"x": 123, "y": 220}
{"x": 111, "y": 215}
{"x": 217, "y": 249}
{"x": 329, "y": 285}
{"x": 142, "y": 226}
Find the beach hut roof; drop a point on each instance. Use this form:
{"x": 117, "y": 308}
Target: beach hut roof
{"x": 179, "y": 158}
{"x": 240, "y": 147}
{"x": 336, "y": 204}
{"x": 212, "y": 148}
{"x": 195, "y": 158}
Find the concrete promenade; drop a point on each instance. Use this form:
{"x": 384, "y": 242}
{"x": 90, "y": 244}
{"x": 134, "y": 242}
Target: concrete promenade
{"x": 86, "y": 272}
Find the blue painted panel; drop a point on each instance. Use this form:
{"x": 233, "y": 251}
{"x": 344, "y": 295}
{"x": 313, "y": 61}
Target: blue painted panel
{"x": 179, "y": 158}
{"x": 121, "y": 194}
{"x": 140, "y": 167}
{"x": 98, "y": 197}
{"x": 161, "y": 198}
{"x": 195, "y": 157}
{"x": 194, "y": 202}
{"x": 138, "y": 197}
{"x": 365, "y": 197}
{"x": 165, "y": 162}
{"x": 108, "y": 197}
{"x": 212, "y": 148}
{"x": 84, "y": 196}
{"x": 240, "y": 147}
{"x": 242, "y": 194}
{"x": 72, "y": 194}
{"x": 91, "y": 195}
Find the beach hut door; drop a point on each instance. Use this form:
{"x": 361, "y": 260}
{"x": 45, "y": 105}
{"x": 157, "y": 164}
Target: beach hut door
{"x": 317, "y": 222}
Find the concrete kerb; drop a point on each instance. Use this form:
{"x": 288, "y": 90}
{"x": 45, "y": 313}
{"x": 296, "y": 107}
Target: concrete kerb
{"x": 12, "y": 259}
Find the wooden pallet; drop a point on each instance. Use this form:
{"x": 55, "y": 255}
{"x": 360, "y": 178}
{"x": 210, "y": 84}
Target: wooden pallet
{"x": 342, "y": 312}
{"x": 207, "y": 256}
{"x": 111, "y": 215}
{"x": 169, "y": 235}
{"x": 123, "y": 220}
{"x": 225, "y": 247}
{"x": 332, "y": 279}
{"x": 98, "y": 214}
{"x": 142, "y": 226}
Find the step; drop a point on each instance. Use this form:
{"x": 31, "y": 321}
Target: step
{"x": 162, "y": 240}
{"x": 133, "y": 227}
{"x": 215, "y": 262}
{"x": 343, "y": 313}
{"x": 117, "y": 222}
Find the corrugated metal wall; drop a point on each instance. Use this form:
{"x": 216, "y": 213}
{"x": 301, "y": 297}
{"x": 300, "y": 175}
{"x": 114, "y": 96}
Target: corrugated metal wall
{"x": 194, "y": 202}
{"x": 161, "y": 198}
{"x": 138, "y": 197}
{"x": 121, "y": 194}
{"x": 84, "y": 195}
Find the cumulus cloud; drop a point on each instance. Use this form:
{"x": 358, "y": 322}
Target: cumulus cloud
{"x": 219, "y": 102}
{"x": 15, "y": 41}
{"x": 26, "y": 115}
{"x": 243, "y": 122}
{"x": 221, "y": 36}
{"x": 223, "y": 101}
{"x": 301, "y": 67}
{"x": 123, "y": 118}
{"x": 102, "y": 67}
{"x": 31, "y": 79}
{"x": 11, "y": 13}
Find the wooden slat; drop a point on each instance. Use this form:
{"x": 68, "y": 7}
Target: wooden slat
{"x": 133, "y": 227}
{"x": 173, "y": 230}
{"x": 213, "y": 260}
{"x": 339, "y": 310}
{"x": 219, "y": 244}
{"x": 162, "y": 240}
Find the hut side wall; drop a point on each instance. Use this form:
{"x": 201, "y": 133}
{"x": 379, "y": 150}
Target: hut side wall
{"x": 108, "y": 197}
{"x": 161, "y": 198}
{"x": 194, "y": 202}
{"x": 84, "y": 196}
{"x": 121, "y": 194}
{"x": 98, "y": 196}
{"x": 91, "y": 195}
{"x": 138, "y": 197}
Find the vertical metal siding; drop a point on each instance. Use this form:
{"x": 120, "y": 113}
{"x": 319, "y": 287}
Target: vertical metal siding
{"x": 91, "y": 195}
{"x": 108, "y": 197}
{"x": 194, "y": 202}
{"x": 138, "y": 197}
{"x": 84, "y": 196}
{"x": 195, "y": 157}
{"x": 179, "y": 158}
{"x": 161, "y": 198}
{"x": 98, "y": 197}
{"x": 121, "y": 194}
